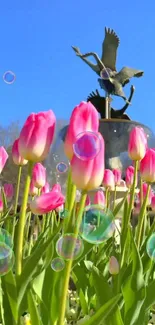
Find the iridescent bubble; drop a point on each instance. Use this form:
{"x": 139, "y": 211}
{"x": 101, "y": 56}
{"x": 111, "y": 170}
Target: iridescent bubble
{"x": 69, "y": 247}
{"x": 61, "y": 167}
{"x": 57, "y": 264}
{"x": 6, "y": 259}
{"x": 9, "y": 77}
{"x": 63, "y": 214}
{"x": 6, "y": 238}
{"x": 150, "y": 246}
{"x": 97, "y": 224}
{"x": 87, "y": 145}
{"x": 105, "y": 73}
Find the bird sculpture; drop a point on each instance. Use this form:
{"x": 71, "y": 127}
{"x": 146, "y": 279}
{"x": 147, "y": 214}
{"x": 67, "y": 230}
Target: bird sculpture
{"x": 110, "y": 80}
{"x": 99, "y": 103}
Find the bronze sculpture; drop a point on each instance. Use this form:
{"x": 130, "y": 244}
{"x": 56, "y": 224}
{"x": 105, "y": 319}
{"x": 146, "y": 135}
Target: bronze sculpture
{"x": 110, "y": 80}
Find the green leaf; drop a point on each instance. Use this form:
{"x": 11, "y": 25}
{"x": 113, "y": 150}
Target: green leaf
{"x": 6, "y": 310}
{"x": 30, "y": 267}
{"x": 106, "y": 310}
{"x": 150, "y": 295}
{"x": 33, "y": 310}
{"x": 9, "y": 283}
{"x": 134, "y": 289}
{"x": 104, "y": 294}
{"x": 83, "y": 302}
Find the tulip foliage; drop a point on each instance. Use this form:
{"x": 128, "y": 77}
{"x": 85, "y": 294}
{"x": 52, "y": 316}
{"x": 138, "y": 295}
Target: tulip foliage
{"x": 85, "y": 261}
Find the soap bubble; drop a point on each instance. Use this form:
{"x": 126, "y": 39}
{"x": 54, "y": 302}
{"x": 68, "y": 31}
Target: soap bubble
{"x": 57, "y": 264}
{"x": 69, "y": 247}
{"x": 9, "y": 77}
{"x": 150, "y": 247}
{"x": 63, "y": 214}
{"x": 6, "y": 259}
{"x": 61, "y": 167}
{"x": 6, "y": 238}
{"x": 105, "y": 73}
{"x": 97, "y": 224}
{"x": 87, "y": 145}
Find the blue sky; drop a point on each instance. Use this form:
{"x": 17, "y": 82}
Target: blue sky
{"x": 36, "y": 39}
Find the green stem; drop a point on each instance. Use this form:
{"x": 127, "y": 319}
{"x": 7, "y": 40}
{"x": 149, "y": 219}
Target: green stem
{"x": 16, "y": 199}
{"x": 106, "y": 196}
{"x": 68, "y": 220}
{"x": 141, "y": 217}
{"x": 114, "y": 198}
{"x": 141, "y": 192}
{"x": 69, "y": 181}
{"x": 132, "y": 192}
{"x": 69, "y": 263}
{"x": 21, "y": 224}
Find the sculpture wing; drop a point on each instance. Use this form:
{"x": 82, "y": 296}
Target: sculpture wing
{"x": 98, "y": 102}
{"x": 109, "y": 49}
{"x": 126, "y": 74}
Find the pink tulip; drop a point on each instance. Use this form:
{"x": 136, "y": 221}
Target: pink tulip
{"x": 37, "y": 135}
{"x": 99, "y": 198}
{"x": 117, "y": 176}
{"x": 122, "y": 183}
{"x": 1, "y": 206}
{"x": 113, "y": 265}
{"x": 3, "y": 158}
{"x": 144, "y": 191}
{"x": 137, "y": 144}
{"x": 147, "y": 167}
{"x": 60, "y": 208}
{"x": 129, "y": 176}
{"x": 33, "y": 190}
{"x": 39, "y": 175}
{"x": 45, "y": 188}
{"x": 88, "y": 175}
{"x": 153, "y": 203}
{"x": 84, "y": 118}
{"x": 88, "y": 202}
{"x": 9, "y": 191}
{"x": 108, "y": 179}
{"x": 47, "y": 202}
{"x": 56, "y": 187}
{"x": 17, "y": 158}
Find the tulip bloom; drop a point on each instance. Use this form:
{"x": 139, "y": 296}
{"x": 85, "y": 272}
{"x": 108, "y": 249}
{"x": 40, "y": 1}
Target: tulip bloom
{"x": 9, "y": 191}
{"x": 147, "y": 167}
{"x": 84, "y": 118}
{"x": 45, "y": 188}
{"x": 99, "y": 198}
{"x": 17, "y": 158}
{"x": 37, "y": 135}
{"x": 39, "y": 175}
{"x": 117, "y": 176}
{"x": 153, "y": 203}
{"x": 88, "y": 175}
{"x": 108, "y": 179}
{"x": 88, "y": 202}
{"x": 33, "y": 190}
{"x": 3, "y": 158}
{"x": 129, "y": 176}
{"x": 144, "y": 191}
{"x": 113, "y": 266}
{"x": 47, "y": 202}
{"x": 1, "y": 206}
{"x": 137, "y": 144}
{"x": 56, "y": 187}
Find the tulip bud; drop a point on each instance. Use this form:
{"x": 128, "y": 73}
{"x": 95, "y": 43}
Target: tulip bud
{"x": 99, "y": 198}
{"x": 17, "y": 159}
{"x": 47, "y": 202}
{"x": 45, "y": 188}
{"x": 1, "y": 206}
{"x": 84, "y": 118}
{"x": 3, "y": 158}
{"x": 88, "y": 175}
{"x": 56, "y": 187}
{"x": 88, "y": 202}
{"x": 37, "y": 135}
{"x": 108, "y": 179}
{"x": 39, "y": 175}
{"x": 113, "y": 266}
{"x": 144, "y": 191}
{"x": 117, "y": 176}
{"x": 147, "y": 167}
{"x": 8, "y": 190}
{"x": 137, "y": 144}
{"x": 33, "y": 190}
{"x": 129, "y": 177}
{"x": 153, "y": 203}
